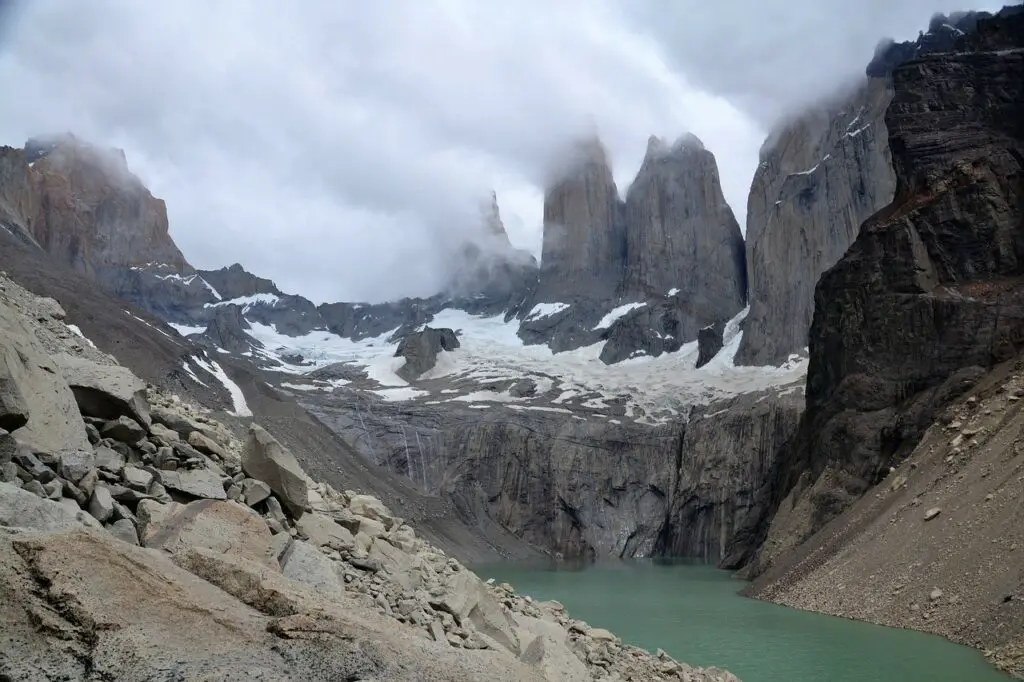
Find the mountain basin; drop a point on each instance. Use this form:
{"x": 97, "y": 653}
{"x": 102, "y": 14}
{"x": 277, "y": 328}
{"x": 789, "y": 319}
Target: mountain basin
{"x": 695, "y": 613}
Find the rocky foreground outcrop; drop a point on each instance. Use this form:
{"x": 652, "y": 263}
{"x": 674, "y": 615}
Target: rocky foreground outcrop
{"x": 158, "y": 544}
{"x": 928, "y": 297}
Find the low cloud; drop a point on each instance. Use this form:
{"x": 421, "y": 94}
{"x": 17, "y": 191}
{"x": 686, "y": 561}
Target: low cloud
{"x": 343, "y": 149}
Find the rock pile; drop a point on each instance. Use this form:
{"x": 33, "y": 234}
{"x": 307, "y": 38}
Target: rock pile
{"x": 188, "y": 499}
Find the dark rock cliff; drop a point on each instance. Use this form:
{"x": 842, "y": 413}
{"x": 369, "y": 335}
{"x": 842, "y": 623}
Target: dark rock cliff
{"x": 928, "y": 293}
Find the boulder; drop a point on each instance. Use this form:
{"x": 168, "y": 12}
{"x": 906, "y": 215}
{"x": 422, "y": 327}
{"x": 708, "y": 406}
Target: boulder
{"x": 175, "y": 421}
{"x": 8, "y": 446}
{"x": 101, "y": 504}
{"x": 124, "y": 530}
{"x": 75, "y": 464}
{"x": 105, "y": 391}
{"x": 254, "y": 491}
{"x": 467, "y": 599}
{"x": 13, "y": 406}
{"x": 123, "y": 429}
{"x": 370, "y": 507}
{"x": 221, "y": 526}
{"x": 420, "y": 350}
{"x": 306, "y": 564}
{"x": 22, "y": 509}
{"x": 322, "y": 531}
{"x": 206, "y": 445}
{"x": 265, "y": 459}
{"x": 33, "y": 394}
{"x": 109, "y": 459}
{"x": 204, "y": 483}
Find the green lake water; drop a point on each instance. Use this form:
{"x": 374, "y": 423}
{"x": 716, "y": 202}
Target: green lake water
{"x": 694, "y": 612}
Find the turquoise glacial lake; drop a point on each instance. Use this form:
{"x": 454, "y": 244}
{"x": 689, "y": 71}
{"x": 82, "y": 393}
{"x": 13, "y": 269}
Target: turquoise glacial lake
{"x": 695, "y": 613}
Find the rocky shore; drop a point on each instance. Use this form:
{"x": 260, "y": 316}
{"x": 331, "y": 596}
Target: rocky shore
{"x": 140, "y": 538}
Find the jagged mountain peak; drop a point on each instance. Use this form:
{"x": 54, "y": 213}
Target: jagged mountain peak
{"x": 491, "y": 217}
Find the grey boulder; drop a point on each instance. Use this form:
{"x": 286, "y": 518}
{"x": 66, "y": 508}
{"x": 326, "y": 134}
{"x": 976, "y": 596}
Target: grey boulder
{"x": 105, "y": 391}
{"x": 264, "y": 459}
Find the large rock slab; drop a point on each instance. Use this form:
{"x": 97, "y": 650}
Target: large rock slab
{"x": 306, "y": 564}
{"x": 105, "y": 391}
{"x": 44, "y": 406}
{"x": 22, "y": 509}
{"x": 13, "y": 406}
{"x": 204, "y": 483}
{"x": 265, "y": 459}
{"x": 129, "y": 613}
{"x": 221, "y": 526}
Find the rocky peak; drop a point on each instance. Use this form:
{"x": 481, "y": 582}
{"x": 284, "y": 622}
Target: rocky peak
{"x": 82, "y": 204}
{"x": 681, "y": 234}
{"x": 491, "y": 217}
{"x": 942, "y": 36}
{"x": 584, "y": 236}
{"x": 236, "y": 282}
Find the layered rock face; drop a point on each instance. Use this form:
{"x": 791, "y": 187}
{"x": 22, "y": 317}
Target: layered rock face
{"x": 723, "y": 484}
{"x": 681, "y": 234}
{"x": 928, "y": 296}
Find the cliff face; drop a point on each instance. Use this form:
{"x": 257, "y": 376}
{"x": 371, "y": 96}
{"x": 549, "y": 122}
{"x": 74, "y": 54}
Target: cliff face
{"x": 583, "y": 251}
{"x": 929, "y": 294}
{"x": 819, "y": 178}
{"x": 681, "y": 234}
{"x": 82, "y": 205}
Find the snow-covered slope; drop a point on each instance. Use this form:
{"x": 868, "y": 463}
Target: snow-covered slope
{"x": 650, "y": 389}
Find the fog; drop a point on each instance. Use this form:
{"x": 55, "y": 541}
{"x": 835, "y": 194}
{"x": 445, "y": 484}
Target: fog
{"x": 343, "y": 148}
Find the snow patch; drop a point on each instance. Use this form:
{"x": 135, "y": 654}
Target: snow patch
{"x": 816, "y": 166}
{"x": 397, "y": 395}
{"x": 216, "y": 294}
{"x": 542, "y": 310}
{"x": 241, "y": 409}
{"x": 246, "y": 302}
{"x": 615, "y": 313}
{"x": 188, "y": 370}
{"x": 186, "y": 330}
{"x": 78, "y": 332}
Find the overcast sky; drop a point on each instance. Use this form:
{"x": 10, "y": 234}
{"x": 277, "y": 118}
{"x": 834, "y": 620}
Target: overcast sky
{"x": 338, "y": 146}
